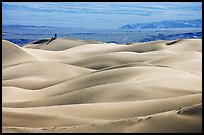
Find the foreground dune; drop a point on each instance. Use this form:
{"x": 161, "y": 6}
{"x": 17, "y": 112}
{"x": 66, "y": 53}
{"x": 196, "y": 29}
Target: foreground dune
{"x": 72, "y": 85}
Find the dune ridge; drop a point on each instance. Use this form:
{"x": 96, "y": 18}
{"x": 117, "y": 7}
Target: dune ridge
{"x": 73, "y": 86}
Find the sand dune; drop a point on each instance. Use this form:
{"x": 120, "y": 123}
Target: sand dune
{"x": 16, "y": 52}
{"x": 43, "y": 74}
{"x": 59, "y": 44}
{"x": 72, "y": 85}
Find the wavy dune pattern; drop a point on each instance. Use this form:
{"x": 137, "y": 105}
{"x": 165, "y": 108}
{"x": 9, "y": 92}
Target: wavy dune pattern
{"x": 72, "y": 85}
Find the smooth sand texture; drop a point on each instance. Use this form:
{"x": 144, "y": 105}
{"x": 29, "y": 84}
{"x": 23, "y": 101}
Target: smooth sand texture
{"x": 75, "y": 86}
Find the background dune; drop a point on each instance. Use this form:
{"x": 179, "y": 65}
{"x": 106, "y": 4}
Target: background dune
{"x": 58, "y": 44}
{"x": 72, "y": 85}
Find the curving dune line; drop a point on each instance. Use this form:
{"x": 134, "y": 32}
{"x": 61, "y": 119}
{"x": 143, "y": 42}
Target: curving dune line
{"x": 75, "y": 86}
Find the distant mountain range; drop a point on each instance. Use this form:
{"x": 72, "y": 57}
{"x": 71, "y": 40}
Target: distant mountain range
{"x": 172, "y": 36}
{"x": 119, "y": 40}
{"x": 165, "y": 24}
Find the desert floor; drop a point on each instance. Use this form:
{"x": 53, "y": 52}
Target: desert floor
{"x": 72, "y": 85}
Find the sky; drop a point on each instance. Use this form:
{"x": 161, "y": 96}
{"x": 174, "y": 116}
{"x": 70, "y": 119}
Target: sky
{"x": 96, "y": 15}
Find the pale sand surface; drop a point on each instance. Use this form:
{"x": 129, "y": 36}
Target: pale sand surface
{"x": 73, "y": 85}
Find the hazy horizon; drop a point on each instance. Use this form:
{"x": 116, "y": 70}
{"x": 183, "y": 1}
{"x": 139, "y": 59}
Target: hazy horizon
{"x": 96, "y": 15}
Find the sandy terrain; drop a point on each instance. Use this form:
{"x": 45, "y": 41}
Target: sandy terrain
{"x": 86, "y": 86}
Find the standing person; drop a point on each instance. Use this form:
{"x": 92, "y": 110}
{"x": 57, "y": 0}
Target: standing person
{"x": 55, "y": 36}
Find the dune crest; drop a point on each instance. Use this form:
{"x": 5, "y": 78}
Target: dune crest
{"x": 73, "y": 86}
